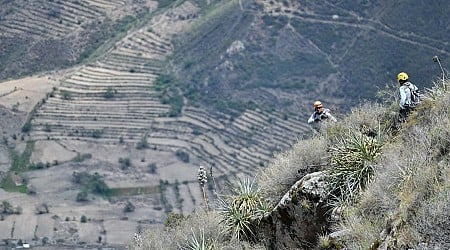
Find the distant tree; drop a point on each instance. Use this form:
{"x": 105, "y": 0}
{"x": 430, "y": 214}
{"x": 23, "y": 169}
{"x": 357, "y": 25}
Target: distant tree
{"x": 183, "y": 156}
{"x": 125, "y": 163}
{"x": 6, "y": 207}
{"x": 129, "y": 207}
{"x": 65, "y": 95}
{"x": 142, "y": 144}
{"x": 47, "y": 128}
{"x": 26, "y": 127}
{"x": 152, "y": 168}
{"x": 110, "y": 93}
{"x": 42, "y": 209}
{"x": 96, "y": 133}
{"x": 90, "y": 183}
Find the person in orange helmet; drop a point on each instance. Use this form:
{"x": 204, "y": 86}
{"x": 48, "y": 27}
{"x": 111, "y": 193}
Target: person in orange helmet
{"x": 320, "y": 114}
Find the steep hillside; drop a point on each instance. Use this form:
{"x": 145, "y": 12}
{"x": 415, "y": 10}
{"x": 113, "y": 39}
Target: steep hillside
{"x": 111, "y": 133}
{"x": 133, "y": 96}
{"x": 47, "y": 35}
{"x": 284, "y": 54}
{"x": 367, "y": 182}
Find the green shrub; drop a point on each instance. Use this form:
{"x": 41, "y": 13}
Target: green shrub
{"x": 66, "y": 95}
{"x": 110, "y": 93}
{"x": 91, "y": 183}
{"x": 26, "y": 127}
{"x": 129, "y": 207}
{"x": 152, "y": 167}
{"x": 143, "y": 143}
{"x": 241, "y": 209}
{"x": 353, "y": 164}
{"x": 166, "y": 85}
{"x": 182, "y": 155}
{"x": 82, "y": 196}
{"x": 97, "y": 134}
{"x": 164, "y": 3}
{"x": 125, "y": 163}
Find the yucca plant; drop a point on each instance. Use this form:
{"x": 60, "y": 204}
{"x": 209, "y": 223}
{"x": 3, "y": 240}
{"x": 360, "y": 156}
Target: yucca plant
{"x": 241, "y": 209}
{"x": 353, "y": 164}
{"x": 198, "y": 242}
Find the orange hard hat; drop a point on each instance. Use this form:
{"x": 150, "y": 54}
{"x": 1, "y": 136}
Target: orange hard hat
{"x": 318, "y": 104}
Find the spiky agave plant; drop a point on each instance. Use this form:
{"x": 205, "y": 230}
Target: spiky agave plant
{"x": 241, "y": 209}
{"x": 198, "y": 242}
{"x": 353, "y": 164}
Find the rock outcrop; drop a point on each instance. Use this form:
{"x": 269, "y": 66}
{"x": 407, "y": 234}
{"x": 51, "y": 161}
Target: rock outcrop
{"x": 299, "y": 217}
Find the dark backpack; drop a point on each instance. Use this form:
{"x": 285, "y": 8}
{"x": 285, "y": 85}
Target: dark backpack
{"x": 415, "y": 94}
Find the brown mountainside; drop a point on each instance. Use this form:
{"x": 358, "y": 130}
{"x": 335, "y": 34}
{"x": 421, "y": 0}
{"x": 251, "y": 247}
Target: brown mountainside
{"x": 132, "y": 96}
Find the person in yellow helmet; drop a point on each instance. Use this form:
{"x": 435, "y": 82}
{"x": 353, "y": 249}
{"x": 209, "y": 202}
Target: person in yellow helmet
{"x": 320, "y": 114}
{"x": 409, "y": 95}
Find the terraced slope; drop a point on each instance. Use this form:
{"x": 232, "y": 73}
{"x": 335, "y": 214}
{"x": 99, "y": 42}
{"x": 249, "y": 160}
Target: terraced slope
{"x": 53, "y": 19}
{"x": 110, "y": 117}
{"x": 43, "y": 35}
{"x": 114, "y": 100}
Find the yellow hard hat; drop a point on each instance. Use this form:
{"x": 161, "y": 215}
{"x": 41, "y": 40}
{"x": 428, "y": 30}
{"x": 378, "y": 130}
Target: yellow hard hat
{"x": 317, "y": 104}
{"x": 402, "y": 76}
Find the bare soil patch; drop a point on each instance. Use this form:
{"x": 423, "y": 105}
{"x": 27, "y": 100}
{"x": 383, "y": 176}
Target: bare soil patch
{"x": 26, "y": 92}
{"x": 51, "y": 151}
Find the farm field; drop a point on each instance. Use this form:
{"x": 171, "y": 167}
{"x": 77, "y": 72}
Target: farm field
{"x": 106, "y": 119}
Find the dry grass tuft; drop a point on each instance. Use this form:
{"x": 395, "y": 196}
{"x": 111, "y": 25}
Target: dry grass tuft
{"x": 363, "y": 233}
{"x": 432, "y": 221}
{"x": 305, "y": 157}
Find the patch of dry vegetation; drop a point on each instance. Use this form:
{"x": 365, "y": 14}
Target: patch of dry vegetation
{"x": 288, "y": 167}
{"x": 402, "y": 202}
{"x": 410, "y": 190}
{"x": 199, "y": 230}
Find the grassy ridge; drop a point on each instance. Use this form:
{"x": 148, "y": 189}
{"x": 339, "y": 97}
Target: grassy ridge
{"x": 19, "y": 163}
{"x": 383, "y": 174}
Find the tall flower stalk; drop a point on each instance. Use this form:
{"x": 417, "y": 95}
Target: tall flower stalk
{"x": 202, "y": 180}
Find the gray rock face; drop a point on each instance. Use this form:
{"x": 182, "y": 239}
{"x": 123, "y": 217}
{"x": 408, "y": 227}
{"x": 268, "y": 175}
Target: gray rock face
{"x": 299, "y": 217}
